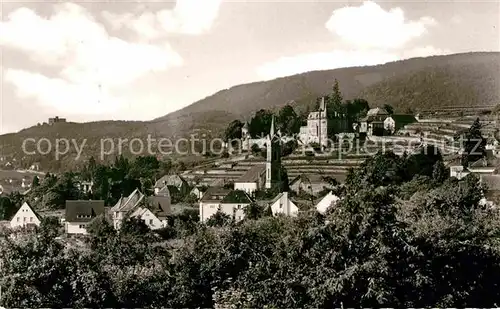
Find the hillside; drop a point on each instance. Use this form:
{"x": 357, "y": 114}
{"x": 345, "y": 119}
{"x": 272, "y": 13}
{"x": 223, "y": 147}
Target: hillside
{"x": 469, "y": 79}
{"x": 461, "y": 79}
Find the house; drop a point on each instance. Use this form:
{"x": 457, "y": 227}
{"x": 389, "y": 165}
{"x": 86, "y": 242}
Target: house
{"x": 254, "y": 179}
{"x": 165, "y": 192}
{"x": 152, "y": 220}
{"x": 198, "y": 192}
{"x": 160, "y": 205}
{"x": 125, "y": 206}
{"x": 394, "y": 123}
{"x": 80, "y": 212}
{"x": 328, "y": 200}
{"x": 174, "y": 181}
{"x": 230, "y": 202}
{"x": 373, "y": 123}
{"x": 491, "y": 189}
{"x": 282, "y": 204}
{"x": 308, "y": 183}
{"x": 25, "y": 216}
{"x": 484, "y": 166}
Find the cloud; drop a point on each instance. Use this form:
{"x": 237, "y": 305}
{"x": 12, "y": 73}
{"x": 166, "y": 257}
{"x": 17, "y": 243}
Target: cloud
{"x": 91, "y": 64}
{"x": 371, "y": 35}
{"x": 369, "y": 26}
{"x": 338, "y": 59}
{"x": 191, "y": 17}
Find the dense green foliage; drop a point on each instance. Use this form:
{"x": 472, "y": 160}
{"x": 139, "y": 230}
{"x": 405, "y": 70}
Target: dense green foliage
{"x": 400, "y": 237}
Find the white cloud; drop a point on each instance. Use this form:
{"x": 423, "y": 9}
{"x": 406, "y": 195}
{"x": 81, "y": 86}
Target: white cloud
{"x": 192, "y": 17}
{"x": 91, "y": 63}
{"x": 372, "y": 36}
{"x": 369, "y": 26}
{"x": 338, "y": 59}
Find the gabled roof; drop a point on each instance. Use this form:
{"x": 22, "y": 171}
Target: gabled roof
{"x": 377, "y": 111}
{"x": 237, "y": 197}
{"x": 403, "y": 118}
{"x": 83, "y": 210}
{"x": 167, "y": 191}
{"x": 253, "y": 174}
{"x": 280, "y": 195}
{"x": 215, "y": 194}
{"x": 128, "y": 203}
{"x": 171, "y": 180}
{"x": 160, "y": 206}
{"x": 38, "y": 216}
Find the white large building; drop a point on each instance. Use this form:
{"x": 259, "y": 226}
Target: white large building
{"x": 316, "y": 130}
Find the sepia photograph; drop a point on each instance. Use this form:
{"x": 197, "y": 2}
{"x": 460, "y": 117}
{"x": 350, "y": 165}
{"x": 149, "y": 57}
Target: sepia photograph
{"x": 249, "y": 154}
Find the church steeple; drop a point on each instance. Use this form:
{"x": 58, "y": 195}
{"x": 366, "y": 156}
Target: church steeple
{"x": 273, "y": 162}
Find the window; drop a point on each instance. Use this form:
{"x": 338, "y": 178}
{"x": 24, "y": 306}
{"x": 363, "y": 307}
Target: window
{"x": 24, "y": 219}
{"x": 150, "y": 221}
{"x": 82, "y": 226}
{"x": 18, "y": 219}
{"x": 31, "y": 219}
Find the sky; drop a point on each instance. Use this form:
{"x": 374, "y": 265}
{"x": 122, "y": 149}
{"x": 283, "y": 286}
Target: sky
{"x": 139, "y": 60}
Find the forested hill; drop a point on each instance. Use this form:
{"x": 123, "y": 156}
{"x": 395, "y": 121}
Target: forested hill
{"x": 468, "y": 79}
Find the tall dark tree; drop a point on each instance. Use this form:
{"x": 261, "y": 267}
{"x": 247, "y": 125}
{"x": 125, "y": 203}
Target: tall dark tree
{"x": 335, "y": 102}
{"x": 288, "y": 122}
{"x": 260, "y": 124}
{"x": 233, "y": 130}
{"x": 36, "y": 182}
{"x": 389, "y": 109}
{"x": 7, "y": 208}
{"x": 474, "y": 144}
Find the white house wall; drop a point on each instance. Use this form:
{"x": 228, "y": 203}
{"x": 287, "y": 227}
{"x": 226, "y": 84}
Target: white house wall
{"x": 76, "y": 228}
{"x": 284, "y": 206}
{"x": 149, "y": 218}
{"x": 24, "y": 216}
{"x": 207, "y": 210}
{"x": 326, "y": 202}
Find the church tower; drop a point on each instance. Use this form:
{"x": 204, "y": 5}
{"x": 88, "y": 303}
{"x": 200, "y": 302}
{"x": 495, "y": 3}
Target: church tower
{"x": 273, "y": 162}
